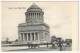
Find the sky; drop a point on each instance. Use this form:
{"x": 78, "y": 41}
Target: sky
{"x": 60, "y": 16}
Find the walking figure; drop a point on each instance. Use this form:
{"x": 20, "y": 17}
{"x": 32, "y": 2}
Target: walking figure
{"x": 28, "y": 45}
{"x": 47, "y": 44}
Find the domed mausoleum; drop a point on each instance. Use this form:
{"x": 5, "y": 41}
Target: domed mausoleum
{"x": 34, "y": 29}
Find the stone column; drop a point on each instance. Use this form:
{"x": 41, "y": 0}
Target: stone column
{"x": 30, "y": 36}
{"x": 39, "y": 15}
{"x": 27, "y": 36}
{"x": 38, "y": 35}
{"x": 19, "y": 36}
{"x": 29, "y": 15}
{"x": 36, "y": 15}
{"x": 34, "y": 36}
{"x": 23, "y": 37}
{"x": 32, "y": 15}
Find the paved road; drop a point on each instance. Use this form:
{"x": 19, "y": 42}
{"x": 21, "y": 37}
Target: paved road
{"x": 25, "y": 48}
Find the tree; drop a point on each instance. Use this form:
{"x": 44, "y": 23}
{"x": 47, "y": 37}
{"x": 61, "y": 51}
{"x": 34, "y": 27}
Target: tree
{"x": 59, "y": 39}
{"x": 53, "y": 38}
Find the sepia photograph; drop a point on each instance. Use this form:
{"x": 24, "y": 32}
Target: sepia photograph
{"x": 39, "y": 26}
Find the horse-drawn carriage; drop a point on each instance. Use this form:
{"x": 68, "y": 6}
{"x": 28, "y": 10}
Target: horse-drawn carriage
{"x": 33, "y": 45}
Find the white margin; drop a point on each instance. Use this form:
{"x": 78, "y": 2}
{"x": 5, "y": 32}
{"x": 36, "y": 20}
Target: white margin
{"x": 39, "y": 51}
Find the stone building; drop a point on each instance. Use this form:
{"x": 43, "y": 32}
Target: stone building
{"x": 34, "y": 29}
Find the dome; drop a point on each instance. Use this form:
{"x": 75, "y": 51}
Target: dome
{"x": 34, "y": 7}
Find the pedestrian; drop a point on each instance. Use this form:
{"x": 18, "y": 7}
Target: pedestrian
{"x": 47, "y": 44}
{"x": 60, "y": 46}
{"x": 28, "y": 45}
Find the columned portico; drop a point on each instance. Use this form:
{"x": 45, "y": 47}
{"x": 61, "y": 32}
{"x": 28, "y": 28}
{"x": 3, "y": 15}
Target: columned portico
{"x": 29, "y": 36}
